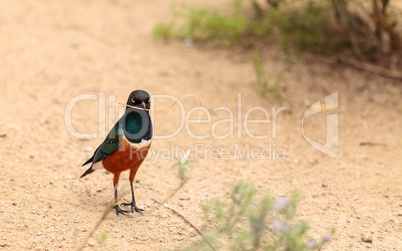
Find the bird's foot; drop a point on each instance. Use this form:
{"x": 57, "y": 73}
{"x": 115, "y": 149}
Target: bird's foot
{"x": 119, "y": 210}
{"x": 133, "y": 207}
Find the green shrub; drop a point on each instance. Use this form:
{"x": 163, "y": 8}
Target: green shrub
{"x": 251, "y": 222}
{"x": 324, "y": 26}
{"x": 301, "y": 27}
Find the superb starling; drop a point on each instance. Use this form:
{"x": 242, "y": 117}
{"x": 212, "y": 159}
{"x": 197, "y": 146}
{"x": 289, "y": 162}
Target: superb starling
{"x": 126, "y": 145}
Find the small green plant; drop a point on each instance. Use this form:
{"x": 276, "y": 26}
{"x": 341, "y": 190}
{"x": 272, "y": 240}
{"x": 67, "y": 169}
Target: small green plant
{"x": 263, "y": 86}
{"x": 250, "y": 221}
{"x": 103, "y": 236}
{"x": 184, "y": 167}
{"x": 163, "y": 30}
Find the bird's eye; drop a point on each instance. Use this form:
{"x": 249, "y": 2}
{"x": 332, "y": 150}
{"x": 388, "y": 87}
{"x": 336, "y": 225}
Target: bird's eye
{"x": 132, "y": 100}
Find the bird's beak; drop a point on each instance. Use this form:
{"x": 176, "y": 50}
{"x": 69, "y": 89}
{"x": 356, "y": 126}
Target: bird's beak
{"x": 144, "y": 105}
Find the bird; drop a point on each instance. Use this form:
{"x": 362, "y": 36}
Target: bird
{"x": 126, "y": 146}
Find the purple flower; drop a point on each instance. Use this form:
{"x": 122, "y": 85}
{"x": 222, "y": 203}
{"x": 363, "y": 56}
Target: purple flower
{"x": 279, "y": 226}
{"x": 280, "y": 203}
{"x": 326, "y": 237}
{"x": 310, "y": 244}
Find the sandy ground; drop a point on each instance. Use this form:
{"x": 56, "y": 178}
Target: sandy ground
{"x": 53, "y": 51}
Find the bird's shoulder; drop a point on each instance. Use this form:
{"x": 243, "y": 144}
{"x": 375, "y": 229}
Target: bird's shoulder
{"x": 111, "y": 143}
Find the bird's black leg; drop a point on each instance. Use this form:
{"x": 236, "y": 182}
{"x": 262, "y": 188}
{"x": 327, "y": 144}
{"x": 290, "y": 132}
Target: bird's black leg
{"x": 132, "y": 204}
{"x": 116, "y": 203}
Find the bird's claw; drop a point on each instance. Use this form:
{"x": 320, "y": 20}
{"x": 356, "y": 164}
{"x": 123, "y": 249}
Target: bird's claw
{"x": 133, "y": 207}
{"x": 119, "y": 210}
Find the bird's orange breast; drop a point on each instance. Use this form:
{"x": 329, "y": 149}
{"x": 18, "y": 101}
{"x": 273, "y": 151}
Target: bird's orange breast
{"x": 128, "y": 156}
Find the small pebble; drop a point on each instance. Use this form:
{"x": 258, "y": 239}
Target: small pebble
{"x": 164, "y": 73}
{"x": 88, "y": 149}
{"x": 367, "y": 239}
{"x": 91, "y": 244}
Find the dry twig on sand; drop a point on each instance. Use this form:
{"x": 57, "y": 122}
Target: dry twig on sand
{"x": 105, "y": 213}
{"x": 185, "y": 220}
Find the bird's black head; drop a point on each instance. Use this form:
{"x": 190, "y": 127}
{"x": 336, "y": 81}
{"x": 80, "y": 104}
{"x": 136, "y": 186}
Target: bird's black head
{"x": 139, "y": 98}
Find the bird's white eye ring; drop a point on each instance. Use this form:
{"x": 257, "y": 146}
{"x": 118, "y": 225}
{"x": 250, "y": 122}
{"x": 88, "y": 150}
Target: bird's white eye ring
{"x": 132, "y": 100}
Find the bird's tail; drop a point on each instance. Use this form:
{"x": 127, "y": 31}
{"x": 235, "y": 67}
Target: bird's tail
{"x": 88, "y": 161}
{"x": 90, "y": 170}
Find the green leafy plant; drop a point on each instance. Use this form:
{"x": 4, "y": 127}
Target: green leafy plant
{"x": 263, "y": 87}
{"x": 250, "y": 221}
